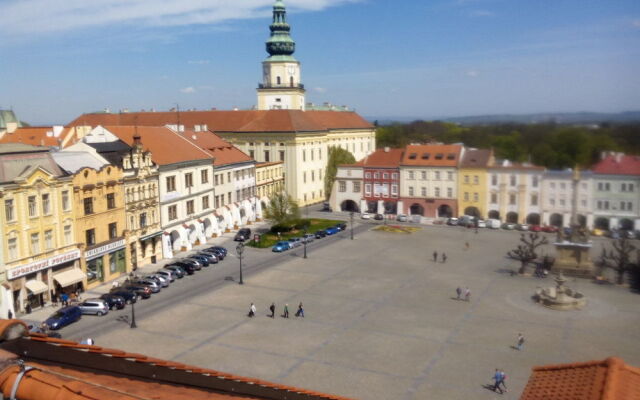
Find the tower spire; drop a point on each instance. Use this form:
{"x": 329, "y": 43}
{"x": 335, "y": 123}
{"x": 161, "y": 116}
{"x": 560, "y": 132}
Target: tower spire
{"x": 280, "y": 45}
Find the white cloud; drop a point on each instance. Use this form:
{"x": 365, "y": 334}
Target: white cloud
{"x": 320, "y": 90}
{"x": 481, "y": 13}
{"x": 29, "y": 17}
{"x": 198, "y": 62}
{"x": 472, "y": 73}
{"x": 188, "y": 89}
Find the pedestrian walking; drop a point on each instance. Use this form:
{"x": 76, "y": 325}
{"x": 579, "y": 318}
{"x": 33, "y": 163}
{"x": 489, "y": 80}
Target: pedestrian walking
{"x": 252, "y": 311}
{"x": 272, "y": 308}
{"x": 444, "y": 258}
{"x": 498, "y": 377}
{"x": 467, "y": 294}
{"x": 435, "y": 256}
{"x": 64, "y": 298}
{"x": 504, "y": 380}
{"x": 300, "y": 312}
{"x": 520, "y": 341}
{"x": 286, "y": 311}
{"x": 466, "y": 245}
{"x": 458, "y": 292}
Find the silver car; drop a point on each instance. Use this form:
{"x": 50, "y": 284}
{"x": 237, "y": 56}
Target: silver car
{"x": 164, "y": 281}
{"x": 308, "y": 238}
{"x": 150, "y": 283}
{"x": 295, "y": 242}
{"x": 94, "y": 306}
{"x": 167, "y": 273}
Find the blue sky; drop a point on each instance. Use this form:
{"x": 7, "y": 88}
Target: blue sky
{"x": 427, "y": 58}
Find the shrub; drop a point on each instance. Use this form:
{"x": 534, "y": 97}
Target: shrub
{"x": 302, "y": 223}
{"x": 282, "y": 228}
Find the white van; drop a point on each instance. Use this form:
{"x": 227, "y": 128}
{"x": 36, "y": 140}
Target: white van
{"x": 493, "y": 223}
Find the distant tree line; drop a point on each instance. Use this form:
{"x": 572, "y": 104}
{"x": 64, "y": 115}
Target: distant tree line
{"x": 554, "y": 146}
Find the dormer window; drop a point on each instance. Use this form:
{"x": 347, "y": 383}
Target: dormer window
{"x": 425, "y": 156}
{"x": 451, "y": 156}
{"x": 439, "y": 156}
{"x": 412, "y": 156}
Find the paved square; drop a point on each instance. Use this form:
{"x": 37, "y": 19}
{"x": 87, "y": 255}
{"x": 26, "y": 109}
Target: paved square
{"x": 382, "y": 320}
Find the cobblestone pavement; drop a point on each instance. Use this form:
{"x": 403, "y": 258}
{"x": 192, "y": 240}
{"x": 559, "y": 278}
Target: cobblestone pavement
{"x": 382, "y": 322}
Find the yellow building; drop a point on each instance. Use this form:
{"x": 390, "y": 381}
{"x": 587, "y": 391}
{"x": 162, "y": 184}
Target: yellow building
{"x": 269, "y": 179}
{"x": 472, "y": 182}
{"x": 39, "y": 254}
{"x": 98, "y": 198}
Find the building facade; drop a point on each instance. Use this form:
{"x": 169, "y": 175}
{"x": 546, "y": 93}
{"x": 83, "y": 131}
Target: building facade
{"x": 472, "y": 182}
{"x": 347, "y": 193}
{"x": 269, "y": 180}
{"x": 557, "y": 201}
{"x": 38, "y": 247}
{"x": 429, "y": 180}
{"x": 514, "y": 192}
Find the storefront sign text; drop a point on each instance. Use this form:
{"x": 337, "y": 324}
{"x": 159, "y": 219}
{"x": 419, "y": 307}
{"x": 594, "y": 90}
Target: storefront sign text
{"x": 43, "y": 264}
{"x": 107, "y": 248}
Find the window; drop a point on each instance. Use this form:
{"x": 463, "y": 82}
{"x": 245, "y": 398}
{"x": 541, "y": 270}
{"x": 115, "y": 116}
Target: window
{"x": 394, "y": 175}
{"x": 410, "y": 190}
{"x": 204, "y": 176}
{"x": 466, "y": 179}
{"x": 494, "y": 198}
{"x": 411, "y": 175}
{"x": 562, "y": 202}
{"x": 12, "y": 245}
{"x": 552, "y": 185}
{"x": 466, "y": 196}
{"x": 342, "y": 186}
{"x": 475, "y": 197}
{"x": 367, "y": 175}
{"x": 436, "y": 192}
{"x": 313, "y": 175}
{"x": 266, "y": 156}
{"x": 449, "y": 175}
{"x": 630, "y": 187}
{"x": 304, "y": 177}
{"x": 113, "y": 230}
{"x": 143, "y": 220}
{"x": 205, "y": 202}
{"x": 412, "y": 156}
{"x": 65, "y": 200}
{"x": 171, "y": 183}
{"x": 534, "y": 199}
{"x": 552, "y": 202}
{"x": 46, "y": 204}
{"x": 449, "y": 192}
{"x": 33, "y": 210}
{"x": 394, "y": 190}
{"x": 48, "y": 240}
{"x": 376, "y": 175}
{"x": 356, "y": 187}
{"x": 188, "y": 180}
{"x": 534, "y": 181}
{"x": 607, "y": 186}
{"x": 622, "y": 205}
{"x": 512, "y": 199}
{"x": 367, "y": 189}
{"x": 629, "y": 206}
{"x": 423, "y": 191}
{"x": 385, "y": 176}
{"x": 563, "y": 186}
{"x": 88, "y": 205}
{"x": 436, "y": 175}
{"x": 423, "y": 175}
{"x": 35, "y": 243}
{"x": 111, "y": 200}
{"x": 68, "y": 239}
{"x": 494, "y": 179}
{"x": 173, "y": 212}
{"x": 90, "y": 237}
{"x": 512, "y": 180}
{"x": 190, "y": 207}
{"x": 476, "y": 180}
{"x": 304, "y": 155}
{"x": 229, "y": 198}
{"x": 583, "y": 202}
{"x": 281, "y": 152}
{"x": 8, "y": 210}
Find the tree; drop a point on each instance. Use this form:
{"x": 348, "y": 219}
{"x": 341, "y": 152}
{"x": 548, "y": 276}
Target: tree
{"x": 337, "y": 156}
{"x": 282, "y": 209}
{"x": 619, "y": 258}
{"x": 526, "y": 250}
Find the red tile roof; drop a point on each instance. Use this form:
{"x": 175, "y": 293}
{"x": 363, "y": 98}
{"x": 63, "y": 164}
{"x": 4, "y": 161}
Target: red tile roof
{"x": 618, "y": 164}
{"x": 385, "y": 157}
{"x": 63, "y": 369}
{"x": 35, "y": 135}
{"x": 432, "y": 155}
{"x": 166, "y": 145}
{"x": 610, "y": 379}
{"x": 476, "y": 158}
{"x": 224, "y": 152}
{"x": 234, "y": 121}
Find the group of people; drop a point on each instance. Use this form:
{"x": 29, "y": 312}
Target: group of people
{"x": 500, "y": 377}
{"x": 272, "y": 309}
{"x": 435, "y": 257}
{"x": 66, "y": 298}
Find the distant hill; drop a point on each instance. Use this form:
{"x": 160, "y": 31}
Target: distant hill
{"x": 581, "y": 118}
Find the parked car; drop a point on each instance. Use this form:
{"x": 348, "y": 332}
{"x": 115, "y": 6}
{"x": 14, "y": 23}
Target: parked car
{"x": 295, "y": 242}
{"x": 194, "y": 263}
{"x": 326, "y": 207}
{"x": 613, "y": 234}
{"x": 550, "y": 229}
{"x": 97, "y": 307}
{"x": 332, "y": 230}
{"x": 129, "y": 296}
{"x": 365, "y": 216}
{"x": 242, "y": 235}
{"x": 379, "y": 217}
{"x": 308, "y": 238}
{"x": 171, "y": 275}
{"x": 140, "y": 289}
{"x": 163, "y": 280}
{"x": 453, "y": 221}
{"x": 482, "y": 223}
{"x": 281, "y": 246}
{"x": 522, "y": 227}
{"x": 341, "y": 225}
{"x": 218, "y": 252}
{"x": 628, "y": 234}
{"x": 597, "y": 232}
{"x": 535, "y": 228}
{"x": 150, "y": 283}
{"x": 509, "y": 226}
{"x": 204, "y": 261}
{"x": 402, "y": 218}
{"x": 222, "y": 249}
{"x": 180, "y": 272}
{"x": 493, "y": 223}
{"x": 320, "y": 234}
{"x": 210, "y": 256}
{"x": 114, "y": 301}
{"x": 63, "y": 317}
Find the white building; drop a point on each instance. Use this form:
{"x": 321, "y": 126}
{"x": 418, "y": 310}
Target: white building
{"x": 515, "y": 192}
{"x": 557, "y": 198}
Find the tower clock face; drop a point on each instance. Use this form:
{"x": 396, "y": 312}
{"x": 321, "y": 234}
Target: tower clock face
{"x": 291, "y": 69}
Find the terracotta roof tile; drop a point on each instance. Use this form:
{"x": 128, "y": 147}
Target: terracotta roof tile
{"x": 384, "y": 157}
{"x": 35, "y": 135}
{"x": 166, "y": 145}
{"x": 224, "y": 152}
{"x": 432, "y": 155}
{"x": 610, "y": 379}
{"x": 618, "y": 165}
{"x": 476, "y": 158}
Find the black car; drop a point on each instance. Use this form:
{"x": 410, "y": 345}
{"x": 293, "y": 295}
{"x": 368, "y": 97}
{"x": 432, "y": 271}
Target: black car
{"x": 188, "y": 268}
{"x": 210, "y": 256}
{"x": 379, "y": 217}
{"x": 204, "y": 260}
{"x": 342, "y": 226}
{"x": 219, "y": 248}
{"x": 141, "y": 290}
{"x": 218, "y": 252}
{"x": 180, "y": 272}
{"x": 114, "y": 301}
{"x": 242, "y": 235}
{"x": 129, "y": 296}
{"x": 320, "y": 233}
{"x": 194, "y": 263}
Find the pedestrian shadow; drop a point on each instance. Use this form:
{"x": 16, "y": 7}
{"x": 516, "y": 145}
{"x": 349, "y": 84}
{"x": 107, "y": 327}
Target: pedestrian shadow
{"x": 506, "y": 271}
{"x": 455, "y": 298}
{"x": 489, "y": 387}
{"x": 514, "y": 347}
{"x": 123, "y": 318}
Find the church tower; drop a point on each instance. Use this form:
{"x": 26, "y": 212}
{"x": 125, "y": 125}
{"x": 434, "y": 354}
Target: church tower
{"x": 280, "y": 87}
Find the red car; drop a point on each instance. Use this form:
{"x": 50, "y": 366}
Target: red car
{"x": 535, "y": 228}
{"x": 550, "y": 229}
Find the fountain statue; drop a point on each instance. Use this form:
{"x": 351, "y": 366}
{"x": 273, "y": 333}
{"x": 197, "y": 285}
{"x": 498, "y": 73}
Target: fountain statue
{"x": 560, "y": 297}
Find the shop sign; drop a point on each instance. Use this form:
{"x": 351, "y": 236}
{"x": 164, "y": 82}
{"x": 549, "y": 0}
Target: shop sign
{"x": 101, "y": 250}
{"x": 43, "y": 264}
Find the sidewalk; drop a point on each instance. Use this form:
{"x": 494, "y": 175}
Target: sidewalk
{"x": 43, "y": 313}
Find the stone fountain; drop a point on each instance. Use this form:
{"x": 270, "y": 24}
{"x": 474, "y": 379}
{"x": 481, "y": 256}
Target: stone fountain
{"x": 560, "y": 297}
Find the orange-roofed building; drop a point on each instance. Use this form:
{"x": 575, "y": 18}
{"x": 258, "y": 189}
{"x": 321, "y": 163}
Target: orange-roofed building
{"x": 49, "y": 136}
{"x": 36, "y": 367}
{"x": 429, "y": 180}
{"x": 610, "y": 379}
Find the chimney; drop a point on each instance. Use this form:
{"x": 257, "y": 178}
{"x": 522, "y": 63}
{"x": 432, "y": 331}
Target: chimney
{"x": 386, "y": 149}
{"x": 619, "y": 157}
{"x": 137, "y": 140}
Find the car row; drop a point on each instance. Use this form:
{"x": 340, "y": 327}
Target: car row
{"x": 136, "y": 287}
{"x": 294, "y": 242}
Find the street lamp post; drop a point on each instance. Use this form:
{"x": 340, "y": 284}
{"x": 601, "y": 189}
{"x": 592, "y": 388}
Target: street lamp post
{"x": 133, "y": 315}
{"x": 351, "y": 215}
{"x": 304, "y": 242}
{"x": 240, "y": 250}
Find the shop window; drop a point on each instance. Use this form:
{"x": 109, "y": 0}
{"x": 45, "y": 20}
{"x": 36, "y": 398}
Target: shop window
{"x": 95, "y": 271}
{"x": 111, "y": 200}
{"x": 117, "y": 261}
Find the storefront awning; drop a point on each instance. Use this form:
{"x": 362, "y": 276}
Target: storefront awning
{"x": 36, "y": 287}
{"x": 69, "y": 277}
